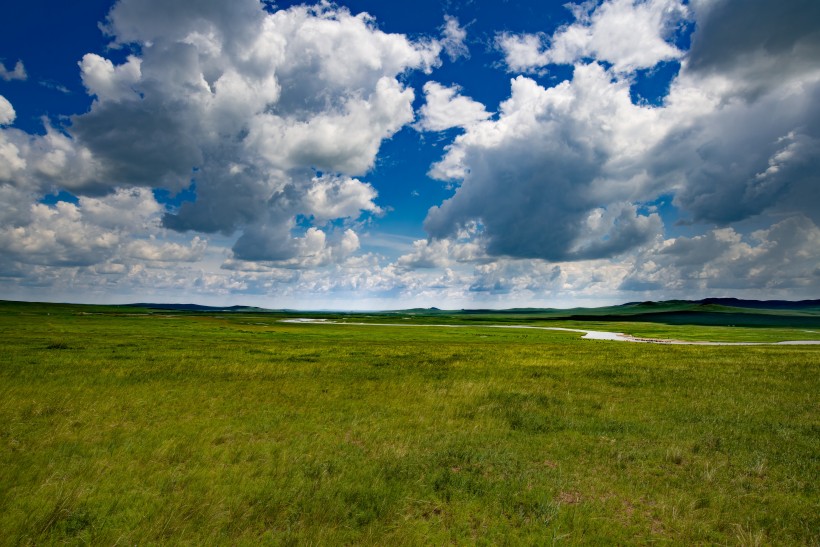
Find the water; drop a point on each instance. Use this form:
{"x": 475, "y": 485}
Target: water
{"x": 587, "y": 334}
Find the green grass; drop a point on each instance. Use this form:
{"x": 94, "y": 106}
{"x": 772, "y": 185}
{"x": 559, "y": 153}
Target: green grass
{"x": 117, "y": 427}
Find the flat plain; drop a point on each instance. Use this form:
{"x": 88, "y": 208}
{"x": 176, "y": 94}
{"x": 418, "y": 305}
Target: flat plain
{"x": 134, "y": 426}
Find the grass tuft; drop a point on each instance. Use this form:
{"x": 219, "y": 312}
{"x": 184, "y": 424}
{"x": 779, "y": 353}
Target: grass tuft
{"x": 58, "y": 345}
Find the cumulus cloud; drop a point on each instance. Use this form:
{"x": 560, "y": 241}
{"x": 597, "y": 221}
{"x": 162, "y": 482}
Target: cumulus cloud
{"x": 520, "y": 278}
{"x": 277, "y": 118}
{"x": 92, "y": 231}
{"x": 11, "y": 161}
{"x": 629, "y": 34}
{"x": 18, "y": 73}
{"x": 108, "y": 82}
{"x": 782, "y": 257}
{"x": 615, "y": 229}
{"x": 466, "y": 247}
{"x": 132, "y": 210}
{"x": 56, "y": 236}
{"x": 339, "y": 197}
{"x": 7, "y": 113}
{"x": 522, "y": 52}
{"x": 152, "y": 251}
{"x": 14, "y": 203}
{"x": 546, "y": 179}
{"x": 758, "y": 42}
{"x": 445, "y": 108}
{"x": 246, "y": 103}
{"x": 344, "y": 139}
{"x": 44, "y": 163}
{"x": 426, "y": 254}
{"x": 562, "y": 172}
{"x": 745, "y": 123}
{"x": 767, "y": 162}
{"x": 313, "y": 249}
{"x": 508, "y": 282}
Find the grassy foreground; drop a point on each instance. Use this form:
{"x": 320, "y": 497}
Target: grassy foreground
{"x": 189, "y": 428}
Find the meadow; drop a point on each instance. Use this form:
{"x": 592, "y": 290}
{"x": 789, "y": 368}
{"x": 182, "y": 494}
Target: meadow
{"x": 129, "y": 426}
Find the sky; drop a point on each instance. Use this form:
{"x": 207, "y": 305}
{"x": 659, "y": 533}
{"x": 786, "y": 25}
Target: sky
{"x": 386, "y": 155}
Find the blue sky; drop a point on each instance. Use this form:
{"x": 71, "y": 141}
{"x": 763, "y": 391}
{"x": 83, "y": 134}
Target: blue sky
{"x": 373, "y": 155}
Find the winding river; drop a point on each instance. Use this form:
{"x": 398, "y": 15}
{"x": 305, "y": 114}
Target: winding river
{"x": 587, "y": 334}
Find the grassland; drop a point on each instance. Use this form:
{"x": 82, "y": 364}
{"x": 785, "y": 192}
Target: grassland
{"x": 122, "y": 426}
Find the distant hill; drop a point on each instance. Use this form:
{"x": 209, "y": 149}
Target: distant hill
{"x": 707, "y": 312}
{"x": 733, "y": 303}
{"x": 712, "y": 311}
{"x": 195, "y": 307}
{"x": 709, "y": 318}
{"x": 764, "y": 304}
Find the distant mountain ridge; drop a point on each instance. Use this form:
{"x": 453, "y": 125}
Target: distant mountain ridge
{"x": 710, "y": 311}
{"x": 649, "y": 306}
{"x": 763, "y": 304}
{"x": 736, "y": 303}
{"x": 706, "y": 312}
{"x": 728, "y": 312}
{"x": 194, "y": 307}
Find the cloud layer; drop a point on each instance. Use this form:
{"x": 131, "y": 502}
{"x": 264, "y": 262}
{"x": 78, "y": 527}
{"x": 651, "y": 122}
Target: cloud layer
{"x": 269, "y": 125}
{"x": 546, "y": 178}
{"x": 246, "y": 104}
{"x": 568, "y": 172}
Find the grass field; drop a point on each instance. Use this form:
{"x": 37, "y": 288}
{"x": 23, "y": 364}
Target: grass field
{"x": 131, "y": 428}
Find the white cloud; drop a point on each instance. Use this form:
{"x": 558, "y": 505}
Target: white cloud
{"x": 562, "y": 171}
{"x": 43, "y": 163}
{"x": 345, "y": 139}
{"x": 18, "y": 73}
{"x": 426, "y": 254}
{"x": 132, "y": 210}
{"x": 612, "y": 230}
{"x": 315, "y": 248}
{"x": 57, "y": 236}
{"x": 11, "y": 161}
{"x": 550, "y": 192}
{"x": 445, "y": 108}
{"x": 440, "y": 253}
{"x": 782, "y": 257}
{"x": 629, "y": 34}
{"x": 152, "y": 251}
{"x": 453, "y": 38}
{"x": 108, "y": 82}
{"x": 555, "y": 162}
{"x": 120, "y": 227}
{"x": 523, "y": 52}
{"x": 109, "y": 268}
{"x": 339, "y": 197}
{"x": 743, "y": 119}
{"x": 247, "y": 103}
{"x": 7, "y": 113}
{"x": 14, "y": 203}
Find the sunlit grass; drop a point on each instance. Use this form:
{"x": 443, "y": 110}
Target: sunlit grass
{"x": 240, "y": 429}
